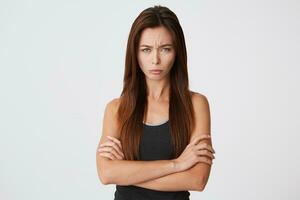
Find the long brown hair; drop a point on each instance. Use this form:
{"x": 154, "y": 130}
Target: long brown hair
{"x": 133, "y": 100}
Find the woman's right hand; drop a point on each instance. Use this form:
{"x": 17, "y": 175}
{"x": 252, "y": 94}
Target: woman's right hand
{"x": 195, "y": 152}
{"x": 111, "y": 149}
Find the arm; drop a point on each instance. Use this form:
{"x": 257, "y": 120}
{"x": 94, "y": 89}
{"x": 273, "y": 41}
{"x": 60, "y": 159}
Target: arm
{"x": 124, "y": 172}
{"x": 196, "y": 151}
{"x": 180, "y": 181}
{"x": 196, "y": 177}
{"x": 191, "y": 179}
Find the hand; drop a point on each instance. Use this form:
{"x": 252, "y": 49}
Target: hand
{"x": 111, "y": 149}
{"x": 195, "y": 152}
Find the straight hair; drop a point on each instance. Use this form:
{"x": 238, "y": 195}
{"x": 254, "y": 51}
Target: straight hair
{"x": 133, "y": 99}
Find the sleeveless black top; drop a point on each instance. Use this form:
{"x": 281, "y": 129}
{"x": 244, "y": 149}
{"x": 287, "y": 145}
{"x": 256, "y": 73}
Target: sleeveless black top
{"x": 155, "y": 144}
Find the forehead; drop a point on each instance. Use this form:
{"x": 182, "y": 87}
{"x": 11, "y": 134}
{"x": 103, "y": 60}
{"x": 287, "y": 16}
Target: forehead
{"x": 157, "y": 35}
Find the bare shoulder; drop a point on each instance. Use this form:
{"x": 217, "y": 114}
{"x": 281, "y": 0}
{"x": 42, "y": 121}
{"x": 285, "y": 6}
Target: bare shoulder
{"x": 113, "y": 105}
{"x": 200, "y": 101}
{"x": 202, "y": 114}
{"x": 111, "y": 110}
{"x": 109, "y": 122}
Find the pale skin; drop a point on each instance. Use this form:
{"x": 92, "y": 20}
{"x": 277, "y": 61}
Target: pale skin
{"x": 190, "y": 171}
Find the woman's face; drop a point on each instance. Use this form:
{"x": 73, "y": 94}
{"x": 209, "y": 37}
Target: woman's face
{"x": 156, "y": 52}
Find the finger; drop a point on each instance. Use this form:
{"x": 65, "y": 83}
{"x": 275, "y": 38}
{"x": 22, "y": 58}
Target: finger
{"x": 209, "y": 148}
{"x": 116, "y": 141}
{"x": 107, "y": 155}
{"x": 112, "y": 144}
{"x": 110, "y": 150}
{"x": 197, "y": 139}
{"x": 205, "y": 146}
{"x": 205, "y": 153}
{"x": 116, "y": 154}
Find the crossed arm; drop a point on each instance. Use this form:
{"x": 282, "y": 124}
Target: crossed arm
{"x": 193, "y": 179}
{"x": 159, "y": 175}
{"x": 162, "y": 175}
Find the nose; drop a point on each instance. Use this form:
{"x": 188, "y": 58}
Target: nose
{"x": 155, "y": 58}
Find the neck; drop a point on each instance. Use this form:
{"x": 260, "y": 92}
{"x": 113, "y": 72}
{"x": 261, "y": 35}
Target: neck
{"x": 158, "y": 90}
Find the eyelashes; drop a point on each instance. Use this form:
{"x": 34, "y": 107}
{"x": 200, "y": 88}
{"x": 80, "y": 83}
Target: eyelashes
{"x": 148, "y": 50}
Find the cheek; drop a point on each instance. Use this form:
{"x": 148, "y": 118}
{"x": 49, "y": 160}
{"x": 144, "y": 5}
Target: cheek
{"x": 169, "y": 61}
{"x": 143, "y": 61}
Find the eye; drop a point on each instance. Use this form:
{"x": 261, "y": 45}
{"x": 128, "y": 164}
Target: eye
{"x": 166, "y": 49}
{"x": 146, "y": 50}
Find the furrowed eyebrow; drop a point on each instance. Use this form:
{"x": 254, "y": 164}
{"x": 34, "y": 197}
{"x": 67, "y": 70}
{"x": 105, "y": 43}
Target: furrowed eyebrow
{"x": 164, "y": 45}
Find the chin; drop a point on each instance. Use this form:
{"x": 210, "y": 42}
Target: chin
{"x": 155, "y": 77}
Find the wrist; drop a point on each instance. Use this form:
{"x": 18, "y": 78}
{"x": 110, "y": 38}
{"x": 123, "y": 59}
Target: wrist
{"x": 176, "y": 165}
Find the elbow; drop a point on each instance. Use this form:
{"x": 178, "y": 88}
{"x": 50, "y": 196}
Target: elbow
{"x": 106, "y": 175}
{"x": 107, "y": 178}
{"x": 200, "y": 176}
{"x": 104, "y": 179}
{"x": 199, "y": 188}
{"x": 200, "y": 184}
{"x": 104, "y": 172}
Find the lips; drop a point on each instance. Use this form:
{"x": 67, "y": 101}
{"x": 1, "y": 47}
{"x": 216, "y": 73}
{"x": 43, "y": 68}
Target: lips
{"x": 156, "y": 71}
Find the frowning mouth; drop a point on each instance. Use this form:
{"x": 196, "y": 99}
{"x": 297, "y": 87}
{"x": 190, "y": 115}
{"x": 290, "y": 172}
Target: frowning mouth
{"x": 156, "y": 71}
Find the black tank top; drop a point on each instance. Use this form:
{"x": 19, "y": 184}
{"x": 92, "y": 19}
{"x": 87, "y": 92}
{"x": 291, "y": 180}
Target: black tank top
{"x": 155, "y": 144}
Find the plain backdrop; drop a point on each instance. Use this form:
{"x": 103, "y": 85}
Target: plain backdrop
{"x": 62, "y": 61}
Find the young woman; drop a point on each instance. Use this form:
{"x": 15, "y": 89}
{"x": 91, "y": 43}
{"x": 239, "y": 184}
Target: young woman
{"x": 156, "y": 141}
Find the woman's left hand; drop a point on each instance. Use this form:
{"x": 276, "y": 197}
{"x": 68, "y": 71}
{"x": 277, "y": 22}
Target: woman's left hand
{"x": 111, "y": 149}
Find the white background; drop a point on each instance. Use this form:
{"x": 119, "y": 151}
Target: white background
{"x": 62, "y": 61}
